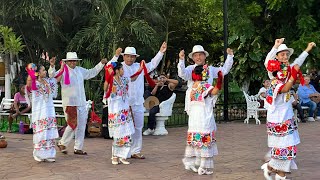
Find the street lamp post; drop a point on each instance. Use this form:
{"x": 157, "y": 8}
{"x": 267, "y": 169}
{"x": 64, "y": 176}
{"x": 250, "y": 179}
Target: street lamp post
{"x": 225, "y": 46}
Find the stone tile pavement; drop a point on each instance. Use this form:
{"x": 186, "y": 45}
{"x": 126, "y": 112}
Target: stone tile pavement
{"x": 241, "y": 150}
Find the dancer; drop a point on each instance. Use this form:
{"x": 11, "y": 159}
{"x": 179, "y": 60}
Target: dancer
{"x": 74, "y": 99}
{"x": 136, "y": 91}
{"x": 43, "y": 121}
{"x": 120, "y": 121}
{"x": 201, "y": 144}
{"x": 199, "y": 55}
{"x": 283, "y": 135}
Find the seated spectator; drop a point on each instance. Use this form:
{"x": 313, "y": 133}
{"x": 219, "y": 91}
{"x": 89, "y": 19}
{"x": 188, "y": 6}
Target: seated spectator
{"x": 19, "y": 107}
{"x": 262, "y": 92}
{"x": 163, "y": 91}
{"x": 296, "y": 105}
{"x": 309, "y": 97}
{"x": 314, "y": 79}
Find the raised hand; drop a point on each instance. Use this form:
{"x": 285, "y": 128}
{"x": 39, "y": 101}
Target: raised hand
{"x": 229, "y": 51}
{"x": 142, "y": 63}
{"x": 62, "y": 63}
{"x": 104, "y": 61}
{"x": 182, "y": 55}
{"x": 52, "y": 61}
{"x": 278, "y": 42}
{"x": 118, "y": 52}
{"x": 163, "y": 47}
{"x": 310, "y": 46}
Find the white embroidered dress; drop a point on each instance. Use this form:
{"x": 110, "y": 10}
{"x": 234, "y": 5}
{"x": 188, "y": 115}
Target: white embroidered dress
{"x": 283, "y": 135}
{"x": 120, "y": 120}
{"x": 201, "y": 146}
{"x": 43, "y": 119}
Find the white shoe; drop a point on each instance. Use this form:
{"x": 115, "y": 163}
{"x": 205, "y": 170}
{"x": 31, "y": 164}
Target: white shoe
{"x": 311, "y": 119}
{"x": 318, "y": 118}
{"x": 115, "y": 160}
{"x": 191, "y": 168}
{"x": 148, "y": 132}
{"x": 279, "y": 177}
{"x": 50, "y": 160}
{"x": 266, "y": 172}
{"x": 201, "y": 171}
{"x": 37, "y": 159}
{"x": 124, "y": 161}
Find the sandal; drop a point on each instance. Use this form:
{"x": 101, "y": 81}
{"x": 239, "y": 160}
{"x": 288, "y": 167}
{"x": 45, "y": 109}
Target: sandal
{"x": 138, "y": 156}
{"x": 124, "y": 161}
{"x": 80, "y": 152}
{"x": 115, "y": 160}
{"x": 62, "y": 148}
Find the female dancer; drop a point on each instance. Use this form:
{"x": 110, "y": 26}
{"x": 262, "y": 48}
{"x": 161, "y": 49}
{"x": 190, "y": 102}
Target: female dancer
{"x": 120, "y": 120}
{"x": 283, "y": 135}
{"x": 43, "y": 119}
{"x": 201, "y": 144}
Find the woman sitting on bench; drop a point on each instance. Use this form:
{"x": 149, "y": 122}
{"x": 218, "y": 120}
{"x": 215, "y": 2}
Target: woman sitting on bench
{"x": 19, "y": 107}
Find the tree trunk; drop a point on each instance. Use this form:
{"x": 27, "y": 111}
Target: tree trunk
{"x": 7, "y": 85}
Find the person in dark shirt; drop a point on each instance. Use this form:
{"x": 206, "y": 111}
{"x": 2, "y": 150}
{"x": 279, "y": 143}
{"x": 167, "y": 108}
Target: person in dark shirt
{"x": 163, "y": 91}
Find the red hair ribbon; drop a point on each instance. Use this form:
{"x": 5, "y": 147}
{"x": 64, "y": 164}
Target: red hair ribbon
{"x": 196, "y": 77}
{"x": 109, "y": 79}
{"x": 146, "y": 75}
{"x": 66, "y": 76}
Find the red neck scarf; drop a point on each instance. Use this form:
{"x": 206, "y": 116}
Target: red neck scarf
{"x": 146, "y": 75}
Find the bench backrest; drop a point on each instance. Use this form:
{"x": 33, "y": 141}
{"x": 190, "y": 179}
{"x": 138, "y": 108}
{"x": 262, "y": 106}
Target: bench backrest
{"x": 252, "y": 101}
{"x": 7, "y": 103}
{"x": 166, "y": 106}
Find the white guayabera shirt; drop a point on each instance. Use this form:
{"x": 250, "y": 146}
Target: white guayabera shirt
{"x": 186, "y": 74}
{"x": 74, "y": 93}
{"x": 136, "y": 88}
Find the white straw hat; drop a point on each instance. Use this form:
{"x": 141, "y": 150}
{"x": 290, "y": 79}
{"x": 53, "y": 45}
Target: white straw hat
{"x": 130, "y": 51}
{"x": 198, "y": 48}
{"x": 283, "y": 47}
{"x": 71, "y": 56}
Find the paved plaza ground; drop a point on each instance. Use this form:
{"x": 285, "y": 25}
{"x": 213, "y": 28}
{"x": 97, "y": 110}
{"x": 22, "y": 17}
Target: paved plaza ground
{"x": 241, "y": 150}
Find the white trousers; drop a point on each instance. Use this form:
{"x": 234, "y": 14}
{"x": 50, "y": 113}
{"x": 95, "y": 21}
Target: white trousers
{"x": 138, "y": 117}
{"x": 79, "y": 132}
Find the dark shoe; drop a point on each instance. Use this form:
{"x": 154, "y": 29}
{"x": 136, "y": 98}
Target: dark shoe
{"x": 303, "y": 121}
{"x": 80, "y": 152}
{"x": 62, "y": 149}
{"x": 138, "y": 156}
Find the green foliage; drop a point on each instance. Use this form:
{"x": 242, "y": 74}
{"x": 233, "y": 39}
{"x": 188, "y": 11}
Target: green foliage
{"x": 11, "y": 43}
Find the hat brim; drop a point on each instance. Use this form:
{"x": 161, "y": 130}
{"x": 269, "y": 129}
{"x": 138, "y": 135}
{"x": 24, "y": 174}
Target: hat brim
{"x": 288, "y": 49}
{"x": 205, "y": 52}
{"x": 130, "y": 54}
{"x": 150, "y": 102}
{"x": 71, "y": 59}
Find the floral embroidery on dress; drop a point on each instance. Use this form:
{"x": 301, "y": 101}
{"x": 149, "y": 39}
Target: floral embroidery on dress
{"x": 282, "y": 129}
{"x": 270, "y": 91}
{"x": 44, "y": 124}
{"x": 120, "y": 89}
{"x": 45, "y": 144}
{"x": 196, "y": 93}
{"x": 120, "y": 118}
{"x": 287, "y": 153}
{"x": 202, "y": 140}
{"x": 50, "y": 88}
{"x": 124, "y": 141}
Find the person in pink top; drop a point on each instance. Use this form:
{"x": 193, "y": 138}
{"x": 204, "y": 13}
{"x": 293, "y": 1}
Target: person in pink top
{"x": 20, "y": 105}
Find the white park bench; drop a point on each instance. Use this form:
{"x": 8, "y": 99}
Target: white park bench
{"x": 163, "y": 115}
{"x": 7, "y": 103}
{"x": 253, "y": 108}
